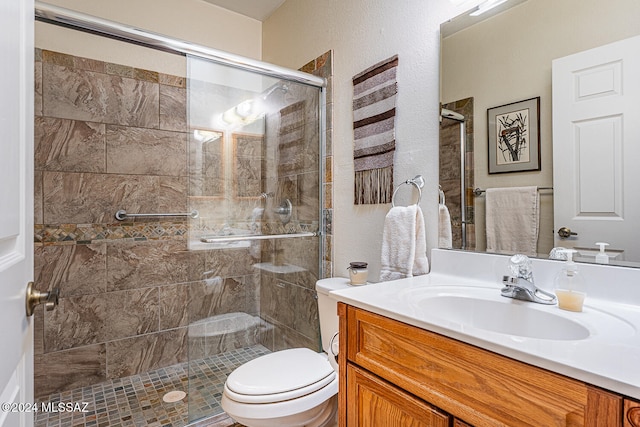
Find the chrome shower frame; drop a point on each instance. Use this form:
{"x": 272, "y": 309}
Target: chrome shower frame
{"x": 51, "y": 14}
{"x": 452, "y": 115}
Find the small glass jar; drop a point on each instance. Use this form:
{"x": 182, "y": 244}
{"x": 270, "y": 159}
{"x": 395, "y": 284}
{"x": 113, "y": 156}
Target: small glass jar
{"x": 358, "y": 272}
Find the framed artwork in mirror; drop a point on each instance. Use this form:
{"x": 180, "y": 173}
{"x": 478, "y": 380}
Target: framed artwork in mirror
{"x": 514, "y": 136}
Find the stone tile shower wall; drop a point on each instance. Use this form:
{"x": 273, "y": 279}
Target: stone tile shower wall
{"x": 450, "y": 171}
{"x": 287, "y": 294}
{"x": 110, "y": 137}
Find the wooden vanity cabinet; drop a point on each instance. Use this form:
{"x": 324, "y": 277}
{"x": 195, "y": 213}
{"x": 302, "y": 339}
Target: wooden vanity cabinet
{"x": 394, "y": 374}
{"x": 631, "y": 413}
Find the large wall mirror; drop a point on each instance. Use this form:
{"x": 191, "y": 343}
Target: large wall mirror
{"x": 495, "y": 66}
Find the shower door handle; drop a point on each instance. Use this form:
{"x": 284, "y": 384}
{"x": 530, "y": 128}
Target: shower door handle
{"x": 34, "y": 298}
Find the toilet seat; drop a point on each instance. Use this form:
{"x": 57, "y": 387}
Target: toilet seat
{"x": 280, "y": 376}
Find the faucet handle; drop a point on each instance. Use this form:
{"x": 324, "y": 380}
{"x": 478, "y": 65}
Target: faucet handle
{"x": 521, "y": 266}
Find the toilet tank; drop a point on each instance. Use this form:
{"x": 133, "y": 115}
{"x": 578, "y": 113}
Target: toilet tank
{"x": 328, "y": 308}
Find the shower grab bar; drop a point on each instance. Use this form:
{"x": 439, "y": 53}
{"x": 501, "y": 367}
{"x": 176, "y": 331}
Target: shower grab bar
{"x": 122, "y": 214}
{"x": 478, "y": 191}
{"x": 218, "y": 239}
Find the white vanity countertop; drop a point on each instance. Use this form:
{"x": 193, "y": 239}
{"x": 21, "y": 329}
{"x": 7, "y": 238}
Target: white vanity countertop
{"x": 608, "y": 358}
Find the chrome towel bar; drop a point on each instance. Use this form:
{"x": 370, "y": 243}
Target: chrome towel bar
{"x": 122, "y": 214}
{"x": 478, "y": 192}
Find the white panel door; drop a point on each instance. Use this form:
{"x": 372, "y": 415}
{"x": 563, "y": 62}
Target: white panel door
{"x": 16, "y": 209}
{"x": 596, "y": 147}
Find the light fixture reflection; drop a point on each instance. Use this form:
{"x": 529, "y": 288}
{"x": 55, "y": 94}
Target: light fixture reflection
{"x": 244, "y": 113}
{"x": 206, "y": 135}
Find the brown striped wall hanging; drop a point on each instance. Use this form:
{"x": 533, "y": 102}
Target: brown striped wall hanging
{"x": 374, "y": 112}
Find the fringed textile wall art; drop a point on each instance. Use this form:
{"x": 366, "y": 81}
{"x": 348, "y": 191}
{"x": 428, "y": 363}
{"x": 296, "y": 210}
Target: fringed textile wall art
{"x": 374, "y": 111}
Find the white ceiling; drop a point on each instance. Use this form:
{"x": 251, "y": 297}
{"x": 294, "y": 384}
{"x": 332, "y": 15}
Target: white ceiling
{"x": 256, "y": 9}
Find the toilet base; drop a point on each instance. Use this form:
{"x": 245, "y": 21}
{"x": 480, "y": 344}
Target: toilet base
{"x": 323, "y": 415}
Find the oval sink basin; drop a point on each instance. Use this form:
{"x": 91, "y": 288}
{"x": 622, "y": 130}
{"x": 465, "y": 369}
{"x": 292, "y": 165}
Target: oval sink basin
{"x": 504, "y": 317}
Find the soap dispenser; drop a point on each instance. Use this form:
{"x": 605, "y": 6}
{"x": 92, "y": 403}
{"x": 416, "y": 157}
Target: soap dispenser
{"x": 602, "y": 257}
{"x": 569, "y": 285}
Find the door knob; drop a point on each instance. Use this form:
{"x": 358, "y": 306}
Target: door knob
{"x": 35, "y": 298}
{"x": 565, "y": 232}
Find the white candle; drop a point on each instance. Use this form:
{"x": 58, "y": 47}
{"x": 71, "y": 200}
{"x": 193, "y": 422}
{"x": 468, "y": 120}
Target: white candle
{"x": 570, "y": 300}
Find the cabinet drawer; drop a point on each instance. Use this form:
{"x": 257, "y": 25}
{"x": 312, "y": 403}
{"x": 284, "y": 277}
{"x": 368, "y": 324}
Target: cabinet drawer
{"x": 377, "y": 403}
{"x": 478, "y": 386}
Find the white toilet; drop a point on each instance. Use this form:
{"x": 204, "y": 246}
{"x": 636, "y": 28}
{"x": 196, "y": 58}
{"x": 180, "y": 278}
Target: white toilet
{"x": 295, "y": 387}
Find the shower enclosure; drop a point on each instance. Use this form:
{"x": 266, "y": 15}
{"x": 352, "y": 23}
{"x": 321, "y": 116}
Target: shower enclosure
{"x": 456, "y": 156}
{"x": 216, "y": 173}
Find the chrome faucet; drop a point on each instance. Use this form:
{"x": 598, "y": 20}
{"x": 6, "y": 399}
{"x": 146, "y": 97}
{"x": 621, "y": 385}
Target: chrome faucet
{"x": 520, "y": 284}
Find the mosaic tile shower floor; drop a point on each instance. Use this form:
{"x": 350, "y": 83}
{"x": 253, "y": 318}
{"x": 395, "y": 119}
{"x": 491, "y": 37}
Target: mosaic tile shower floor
{"x": 137, "y": 400}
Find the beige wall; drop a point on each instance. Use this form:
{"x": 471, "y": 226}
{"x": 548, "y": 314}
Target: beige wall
{"x": 361, "y": 33}
{"x": 193, "y": 20}
{"x": 508, "y": 58}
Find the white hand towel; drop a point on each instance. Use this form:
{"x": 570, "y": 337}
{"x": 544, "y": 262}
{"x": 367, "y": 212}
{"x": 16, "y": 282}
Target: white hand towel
{"x": 404, "y": 244}
{"x": 512, "y": 220}
{"x": 445, "y": 240}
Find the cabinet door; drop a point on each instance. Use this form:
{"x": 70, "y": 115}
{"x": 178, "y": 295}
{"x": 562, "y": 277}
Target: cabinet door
{"x": 481, "y": 387}
{"x": 373, "y": 402}
{"x": 631, "y": 413}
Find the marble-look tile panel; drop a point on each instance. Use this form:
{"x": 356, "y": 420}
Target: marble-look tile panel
{"x": 88, "y": 64}
{"x": 76, "y": 321}
{"x": 69, "y": 145}
{"x": 308, "y": 203}
{"x": 130, "y": 313}
{"x": 38, "y": 217}
{"x": 276, "y": 301}
{"x": 57, "y": 58}
{"x": 229, "y": 262}
{"x": 133, "y": 265}
{"x": 75, "y": 269}
{"x": 140, "y": 151}
{"x": 173, "y": 108}
{"x": 90, "y": 96}
{"x": 174, "y": 305}
{"x": 69, "y": 369}
{"x": 218, "y": 296}
{"x": 305, "y": 313}
{"x": 328, "y": 196}
{"x": 38, "y": 330}
{"x": 92, "y": 319}
{"x": 83, "y": 198}
{"x": 172, "y": 194}
{"x": 285, "y": 338}
{"x": 144, "y": 353}
{"x": 37, "y": 95}
{"x": 119, "y": 70}
{"x": 217, "y": 343}
{"x": 171, "y": 80}
{"x": 146, "y": 75}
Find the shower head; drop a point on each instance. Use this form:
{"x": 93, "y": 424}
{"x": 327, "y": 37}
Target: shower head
{"x": 281, "y": 86}
{"x": 448, "y": 114}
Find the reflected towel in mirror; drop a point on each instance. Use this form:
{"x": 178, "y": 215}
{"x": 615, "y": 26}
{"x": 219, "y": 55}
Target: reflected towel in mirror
{"x": 404, "y": 244}
{"x": 444, "y": 227}
{"x": 512, "y": 219}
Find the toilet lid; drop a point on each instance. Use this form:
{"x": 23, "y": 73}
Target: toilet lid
{"x": 281, "y": 372}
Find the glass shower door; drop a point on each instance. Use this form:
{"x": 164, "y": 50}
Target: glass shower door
{"x": 255, "y": 179}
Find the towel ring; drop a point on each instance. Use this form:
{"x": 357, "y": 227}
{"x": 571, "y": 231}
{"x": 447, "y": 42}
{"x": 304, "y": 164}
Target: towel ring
{"x": 441, "y": 194}
{"x": 417, "y": 182}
